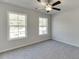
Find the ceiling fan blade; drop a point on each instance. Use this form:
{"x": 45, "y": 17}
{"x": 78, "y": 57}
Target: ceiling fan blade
{"x": 56, "y": 3}
{"x": 58, "y": 9}
{"x": 39, "y": 0}
{"x": 39, "y": 8}
{"x": 47, "y": 11}
{"x": 49, "y": 1}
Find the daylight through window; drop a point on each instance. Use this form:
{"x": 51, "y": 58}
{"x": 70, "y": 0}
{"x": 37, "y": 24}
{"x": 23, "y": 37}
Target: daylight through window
{"x": 17, "y": 26}
{"x": 43, "y": 26}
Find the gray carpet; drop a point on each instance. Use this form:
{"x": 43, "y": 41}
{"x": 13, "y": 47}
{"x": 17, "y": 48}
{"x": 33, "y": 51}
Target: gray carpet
{"x": 44, "y": 50}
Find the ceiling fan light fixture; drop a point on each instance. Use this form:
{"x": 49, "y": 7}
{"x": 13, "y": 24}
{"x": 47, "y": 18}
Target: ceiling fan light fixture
{"x": 48, "y": 8}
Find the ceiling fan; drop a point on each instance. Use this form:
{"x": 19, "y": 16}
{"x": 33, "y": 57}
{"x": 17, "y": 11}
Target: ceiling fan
{"x": 48, "y": 6}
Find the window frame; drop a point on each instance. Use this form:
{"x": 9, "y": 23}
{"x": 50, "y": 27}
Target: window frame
{"x": 17, "y": 13}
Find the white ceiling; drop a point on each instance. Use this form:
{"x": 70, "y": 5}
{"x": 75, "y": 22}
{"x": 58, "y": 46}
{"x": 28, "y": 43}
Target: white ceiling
{"x": 32, "y": 4}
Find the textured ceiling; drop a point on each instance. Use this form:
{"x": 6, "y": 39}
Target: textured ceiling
{"x": 32, "y": 4}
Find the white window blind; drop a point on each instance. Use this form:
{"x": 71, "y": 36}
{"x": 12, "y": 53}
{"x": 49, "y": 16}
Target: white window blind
{"x": 17, "y": 26}
{"x": 43, "y": 26}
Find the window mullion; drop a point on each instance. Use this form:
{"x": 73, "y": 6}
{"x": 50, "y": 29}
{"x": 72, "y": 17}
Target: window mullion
{"x": 18, "y": 24}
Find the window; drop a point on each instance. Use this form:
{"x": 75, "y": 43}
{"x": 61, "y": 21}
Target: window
{"x": 17, "y": 26}
{"x": 43, "y": 26}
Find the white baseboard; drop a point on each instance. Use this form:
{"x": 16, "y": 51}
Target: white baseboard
{"x": 69, "y": 43}
{"x": 6, "y": 50}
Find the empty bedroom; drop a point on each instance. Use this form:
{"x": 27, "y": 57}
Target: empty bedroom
{"x": 39, "y": 29}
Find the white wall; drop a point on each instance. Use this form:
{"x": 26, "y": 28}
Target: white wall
{"x": 65, "y": 26}
{"x": 32, "y": 27}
